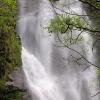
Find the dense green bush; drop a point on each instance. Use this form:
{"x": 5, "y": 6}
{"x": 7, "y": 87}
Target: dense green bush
{"x": 11, "y": 93}
{"x": 10, "y": 56}
{"x": 9, "y": 45}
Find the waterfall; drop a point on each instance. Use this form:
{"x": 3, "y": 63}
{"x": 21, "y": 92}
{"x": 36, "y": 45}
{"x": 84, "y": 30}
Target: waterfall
{"x": 50, "y": 72}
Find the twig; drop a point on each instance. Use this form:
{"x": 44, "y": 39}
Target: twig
{"x": 78, "y": 36}
{"x": 96, "y": 94}
{"x": 64, "y": 45}
{"x": 86, "y": 68}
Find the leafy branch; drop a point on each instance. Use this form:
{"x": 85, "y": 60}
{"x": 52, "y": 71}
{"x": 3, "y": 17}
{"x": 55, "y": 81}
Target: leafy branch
{"x": 65, "y": 24}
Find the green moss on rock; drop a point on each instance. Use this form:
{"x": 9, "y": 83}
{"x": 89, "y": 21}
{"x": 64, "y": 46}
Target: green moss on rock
{"x": 9, "y": 45}
{"x": 10, "y": 49}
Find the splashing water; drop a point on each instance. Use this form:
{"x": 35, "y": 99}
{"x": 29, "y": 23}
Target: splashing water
{"x": 39, "y": 82}
{"x": 48, "y": 76}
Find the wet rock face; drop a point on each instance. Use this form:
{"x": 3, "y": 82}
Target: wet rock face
{"x": 27, "y": 96}
{"x": 16, "y": 78}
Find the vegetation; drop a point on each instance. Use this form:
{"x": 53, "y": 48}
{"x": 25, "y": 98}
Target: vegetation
{"x": 69, "y": 27}
{"x": 95, "y": 4}
{"x": 11, "y": 93}
{"x": 63, "y": 25}
{"x": 10, "y": 48}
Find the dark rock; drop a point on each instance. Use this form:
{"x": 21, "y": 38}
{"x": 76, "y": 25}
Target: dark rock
{"x": 27, "y": 96}
{"x": 16, "y": 78}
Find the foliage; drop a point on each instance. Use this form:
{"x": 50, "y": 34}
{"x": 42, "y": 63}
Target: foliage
{"x": 64, "y": 23}
{"x": 10, "y": 93}
{"x": 70, "y": 26}
{"x": 95, "y": 4}
{"x": 9, "y": 48}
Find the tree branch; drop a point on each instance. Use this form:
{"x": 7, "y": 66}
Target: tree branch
{"x": 90, "y": 4}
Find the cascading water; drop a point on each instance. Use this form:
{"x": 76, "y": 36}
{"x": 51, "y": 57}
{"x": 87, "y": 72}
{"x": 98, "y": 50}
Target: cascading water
{"x": 48, "y": 75}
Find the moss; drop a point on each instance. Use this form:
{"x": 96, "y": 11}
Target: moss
{"x": 10, "y": 46}
{"x": 10, "y": 49}
{"x": 11, "y": 93}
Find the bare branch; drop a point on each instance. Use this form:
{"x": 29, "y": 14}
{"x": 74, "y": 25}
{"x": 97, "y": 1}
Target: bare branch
{"x": 64, "y": 45}
{"x": 96, "y": 94}
{"x": 86, "y": 68}
{"x": 78, "y": 36}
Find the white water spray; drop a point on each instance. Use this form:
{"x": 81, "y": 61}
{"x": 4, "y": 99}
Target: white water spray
{"x": 48, "y": 76}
